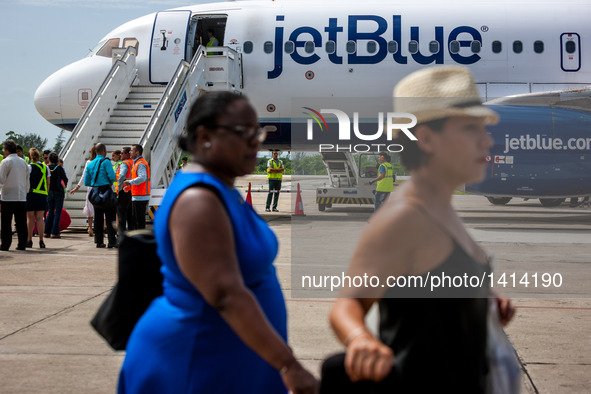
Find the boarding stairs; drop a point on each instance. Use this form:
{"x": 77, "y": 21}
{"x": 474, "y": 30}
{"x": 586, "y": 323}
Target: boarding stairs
{"x": 123, "y": 113}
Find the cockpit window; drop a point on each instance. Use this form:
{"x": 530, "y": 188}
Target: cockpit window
{"x": 107, "y": 49}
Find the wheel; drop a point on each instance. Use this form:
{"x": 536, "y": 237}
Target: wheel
{"x": 499, "y": 200}
{"x": 321, "y": 207}
{"x": 551, "y": 202}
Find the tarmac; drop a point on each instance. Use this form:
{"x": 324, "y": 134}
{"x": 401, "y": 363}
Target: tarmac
{"x": 47, "y": 297}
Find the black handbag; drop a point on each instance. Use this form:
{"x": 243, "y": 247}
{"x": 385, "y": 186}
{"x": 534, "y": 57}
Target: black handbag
{"x": 140, "y": 282}
{"x": 102, "y": 197}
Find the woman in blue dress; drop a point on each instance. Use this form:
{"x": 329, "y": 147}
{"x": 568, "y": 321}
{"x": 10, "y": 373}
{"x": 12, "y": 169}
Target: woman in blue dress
{"x": 221, "y": 324}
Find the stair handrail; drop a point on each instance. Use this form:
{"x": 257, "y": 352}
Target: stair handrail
{"x": 116, "y": 85}
{"x": 183, "y": 91}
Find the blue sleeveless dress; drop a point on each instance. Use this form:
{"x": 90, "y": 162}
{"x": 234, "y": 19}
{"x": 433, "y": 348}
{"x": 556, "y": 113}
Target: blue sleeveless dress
{"x": 181, "y": 344}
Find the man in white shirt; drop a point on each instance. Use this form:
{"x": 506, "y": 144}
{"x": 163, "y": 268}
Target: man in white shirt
{"x": 14, "y": 184}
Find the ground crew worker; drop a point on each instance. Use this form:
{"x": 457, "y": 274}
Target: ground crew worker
{"x": 184, "y": 161}
{"x": 37, "y": 198}
{"x": 124, "y": 212}
{"x": 212, "y": 41}
{"x": 140, "y": 186}
{"x": 275, "y": 171}
{"x": 19, "y": 153}
{"x": 116, "y": 159}
{"x": 385, "y": 181}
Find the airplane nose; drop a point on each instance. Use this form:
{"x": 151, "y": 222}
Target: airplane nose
{"x": 48, "y": 101}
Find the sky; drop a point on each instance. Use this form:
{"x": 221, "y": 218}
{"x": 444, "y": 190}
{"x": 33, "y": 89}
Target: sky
{"x": 41, "y": 36}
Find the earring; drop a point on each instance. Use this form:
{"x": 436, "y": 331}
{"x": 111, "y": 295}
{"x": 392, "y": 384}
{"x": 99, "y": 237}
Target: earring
{"x": 207, "y": 145}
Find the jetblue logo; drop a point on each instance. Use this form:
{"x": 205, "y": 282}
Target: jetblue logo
{"x": 344, "y": 130}
{"x": 336, "y": 33}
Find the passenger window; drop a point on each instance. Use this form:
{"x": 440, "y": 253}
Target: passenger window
{"x": 413, "y": 46}
{"x": 330, "y": 47}
{"x": 309, "y": 47}
{"x": 517, "y": 46}
{"x": 289, "y": 47}
{"x": 538, "y": 46}
{"x": 372, "y": 47}
{"x": 351, "y": 47}
{"x": 268, "y": 47}
{"x": 248, "y": 47}
{"x": 107, "y": 49}
{"x": 475, "y": 46}
{"x": 131, "y": 42}
{"x": 497, "y": 46}
{"x": 454, "y": 46}
{"x": 434, "y": 47}
{"x": 570, "y": 47}
{"x": 392, "y": 46}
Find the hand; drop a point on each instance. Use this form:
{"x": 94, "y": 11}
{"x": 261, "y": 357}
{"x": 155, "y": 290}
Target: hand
{"x": 299, "y": 381}
{"x": 506, "y": 310}
{"x": 74, "y": 190}
{"x": 372, "y": 182}
{"x": 368, "y": 359}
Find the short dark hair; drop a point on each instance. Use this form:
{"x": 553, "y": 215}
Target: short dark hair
{"x": 126, "y": 149}
{"x": 46, "y": 152}
{"x": 18, "y": 147}
{"x": 101, "y": 149}
{"x": 386, "y": 156}
{"x": 10, "y": 146}
{"x": 412, "y": 157}
{"x": 139, "y": 148}
{"x": 53, "y": 158}
{"x": 184, "y": 158}
{"x": 206, "y": 111}
{"x": 117, "y": 152}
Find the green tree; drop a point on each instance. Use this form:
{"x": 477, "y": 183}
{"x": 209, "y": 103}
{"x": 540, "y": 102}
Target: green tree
{"x": 59, "y": 142}
{"x": 27, "y": 141}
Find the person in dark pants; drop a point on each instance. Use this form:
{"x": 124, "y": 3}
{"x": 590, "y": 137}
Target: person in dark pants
{"x": 55, "y": 198}
{"x": 124, "y": 212}
{"x": 14, "y": 183}
{"x": 275, "y": 171}
{"x": 140, "y": 186}
{"x": 99, "y": 172}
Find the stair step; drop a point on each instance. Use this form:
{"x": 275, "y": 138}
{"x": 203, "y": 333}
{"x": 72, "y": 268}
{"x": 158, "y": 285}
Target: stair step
{"x": 136, "y": 106}
{"x": 134, "y": 112}
{"x": 125, "y": 126}
{"x": 122, "y": 133}
{"x": 119, "y": 141}
{"x": 149, "y": 88}
{"x": 144, "y": 96}
{"x": 129, "y": 119}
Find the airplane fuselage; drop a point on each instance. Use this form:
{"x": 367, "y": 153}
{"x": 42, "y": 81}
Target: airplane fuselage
{"x": 295, "y": 54}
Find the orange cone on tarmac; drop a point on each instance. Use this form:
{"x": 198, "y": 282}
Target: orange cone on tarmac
{"x": 249, "y": 196}
{"x": 299, "y": 205}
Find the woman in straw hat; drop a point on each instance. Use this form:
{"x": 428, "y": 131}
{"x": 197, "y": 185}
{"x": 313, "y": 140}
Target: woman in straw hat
{"x": 431, "y": 339}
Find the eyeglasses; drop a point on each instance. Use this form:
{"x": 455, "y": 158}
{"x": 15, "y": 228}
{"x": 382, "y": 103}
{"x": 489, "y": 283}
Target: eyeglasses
{"x": 247, "y": 133}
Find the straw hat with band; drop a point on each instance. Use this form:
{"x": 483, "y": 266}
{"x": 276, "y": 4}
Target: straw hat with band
{"x": 440, "y": 92}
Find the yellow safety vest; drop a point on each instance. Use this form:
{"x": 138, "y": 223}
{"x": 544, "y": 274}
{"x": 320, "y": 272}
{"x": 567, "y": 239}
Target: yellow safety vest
{"x": 387, "y": 183}
{"x": 274, "y": 175}
{"x": 42, "y": 186}
{"x": 116, "y": 170}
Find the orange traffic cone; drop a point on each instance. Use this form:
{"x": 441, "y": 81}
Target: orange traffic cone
{"x": 299, "y": 205}
{"x": 249, "y": 196}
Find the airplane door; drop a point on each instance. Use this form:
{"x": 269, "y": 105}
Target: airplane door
{"x": 570, "y": 55}
{"x": 168, "y": 44}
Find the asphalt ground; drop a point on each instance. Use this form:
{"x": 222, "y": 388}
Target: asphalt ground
{"x": 47, "y": 297}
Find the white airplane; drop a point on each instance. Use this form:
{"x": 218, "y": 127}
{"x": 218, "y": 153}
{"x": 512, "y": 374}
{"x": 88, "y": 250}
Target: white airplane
{"x": 529, "y": 56}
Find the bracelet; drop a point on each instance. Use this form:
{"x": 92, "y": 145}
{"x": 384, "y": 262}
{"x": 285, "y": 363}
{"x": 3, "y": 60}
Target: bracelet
{"x": 283, "y": 370}
{"x": 354, "y": 334}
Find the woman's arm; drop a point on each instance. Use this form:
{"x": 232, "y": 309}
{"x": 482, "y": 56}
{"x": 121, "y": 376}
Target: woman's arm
{"x": 204, "y": 247}
{"x": 386, "y": 248}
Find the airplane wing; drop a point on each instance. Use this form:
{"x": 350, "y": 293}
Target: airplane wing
{"x": 577, "y": 98}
